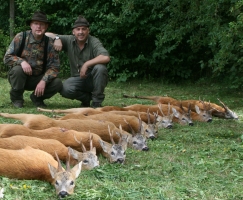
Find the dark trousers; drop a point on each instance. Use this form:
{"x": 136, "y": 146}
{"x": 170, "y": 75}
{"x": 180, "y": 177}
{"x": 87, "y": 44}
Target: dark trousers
{"x": 86, "y": 89}
{"x": 20, "y": 82}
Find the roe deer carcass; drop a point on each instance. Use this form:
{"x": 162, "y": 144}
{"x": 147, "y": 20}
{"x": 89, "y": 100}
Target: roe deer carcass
{"x": 217, "y": 110}
{"x": 116, "y": 119}
{"x": 35, "y": 164}
{"x": 199, "y": 115}
{"x": 93, "y": 111}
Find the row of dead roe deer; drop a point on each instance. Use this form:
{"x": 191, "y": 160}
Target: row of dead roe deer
{"x": 196, "y": 113}
{"x": 98, "y": 127}
{"x": 217, "y": 110}
{"x": 117, "y": 120}
{"x": 20, "y": 164}
{"x": 66, "y": 137}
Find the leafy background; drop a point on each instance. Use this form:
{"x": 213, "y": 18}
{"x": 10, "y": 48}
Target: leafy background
{"x": 171, "y": 40}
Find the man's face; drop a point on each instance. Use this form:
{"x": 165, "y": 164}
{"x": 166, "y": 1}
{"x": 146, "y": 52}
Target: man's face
{"x": 38, "y": 28}
{"x": 81, "y": 33}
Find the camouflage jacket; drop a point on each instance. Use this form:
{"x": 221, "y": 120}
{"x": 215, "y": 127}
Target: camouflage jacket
{"x": 33, "y": 53}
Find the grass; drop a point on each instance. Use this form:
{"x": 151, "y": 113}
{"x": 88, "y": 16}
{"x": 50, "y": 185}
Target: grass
{"x": 200, "y": 162}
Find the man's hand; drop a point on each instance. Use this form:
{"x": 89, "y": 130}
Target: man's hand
{"x": 26, "y": 68}
{"x": 83, "y": 71}
{"x": 40, "y": 88}
{"x": 58, "y": 45}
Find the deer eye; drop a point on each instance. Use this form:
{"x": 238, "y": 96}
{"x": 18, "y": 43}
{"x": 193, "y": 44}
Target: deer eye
{"x": 71, "y": 183}
{"x": 134, "y": 142}
{"x": 124, "y": 153}
{"x": 56, "y": 183}
{"x": 146, "y": 130}
{"x": 112, "y": 153}
{"x": 85, "y": 161}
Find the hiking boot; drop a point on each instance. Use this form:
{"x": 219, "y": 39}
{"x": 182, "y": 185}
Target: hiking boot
{"x": 37, "y": 102}
{"x": 85, "y": 104}
{"x": 96, "y": 105}
{"x": 18, "y": 103}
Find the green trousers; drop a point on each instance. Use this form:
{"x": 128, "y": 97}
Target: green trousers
{"x": 86, "y": 89}
{"x": 20, "y": 82}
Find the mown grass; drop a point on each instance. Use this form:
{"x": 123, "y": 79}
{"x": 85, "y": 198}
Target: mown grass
{"x": 200, "y": 162}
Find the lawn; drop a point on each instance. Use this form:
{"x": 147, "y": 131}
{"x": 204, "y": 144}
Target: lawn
{"x": 204, "y": 161}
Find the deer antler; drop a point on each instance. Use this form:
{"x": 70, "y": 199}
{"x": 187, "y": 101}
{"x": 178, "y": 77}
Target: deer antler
{"x": 160, "y": 108}
{"x": 148, "y": 115}
{"x": 68, "y": 162}
{"x": 111, "y": 135}
{"x": 59, "y": 168}
{"x": 225, "y": 107}
{"x": 91, "y": 141}
{"x": 133, "y": 132}
{"x": 80, "y": 142}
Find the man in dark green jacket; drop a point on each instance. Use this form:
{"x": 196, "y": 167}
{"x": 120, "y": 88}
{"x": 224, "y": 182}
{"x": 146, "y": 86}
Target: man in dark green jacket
{"x": 88, "y": 59}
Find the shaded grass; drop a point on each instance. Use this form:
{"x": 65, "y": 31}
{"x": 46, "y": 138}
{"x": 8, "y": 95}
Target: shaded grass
{"x": 200, "y": 162}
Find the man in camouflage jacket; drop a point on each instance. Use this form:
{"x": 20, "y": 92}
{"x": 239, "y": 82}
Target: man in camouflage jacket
{"x": 34, "y": 67}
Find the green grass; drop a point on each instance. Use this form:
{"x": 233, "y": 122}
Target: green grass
{"x": 200, "y": 162}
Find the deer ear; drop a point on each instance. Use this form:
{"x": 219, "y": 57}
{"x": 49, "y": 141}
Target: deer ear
{"x": 197, "y": 109}
{"x": 53, "y": 170}
{"x": 73, "y": 153}
{"x": 105, "y": 145}
{"x": 94, "y": 150}
{"x": 175, "y": 112}
{"x": 76, "y": 169}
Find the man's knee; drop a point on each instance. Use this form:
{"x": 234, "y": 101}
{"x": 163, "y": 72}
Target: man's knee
{"x": 57, "y": 83}
{"x": 100, "y": 69}
{"x": 67, "y": 91}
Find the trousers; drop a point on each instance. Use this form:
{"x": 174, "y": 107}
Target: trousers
{"x": 86, "y": 89}
{"x": 20, "y": 82}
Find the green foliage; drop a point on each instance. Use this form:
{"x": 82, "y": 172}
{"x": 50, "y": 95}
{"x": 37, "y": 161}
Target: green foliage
{"x": 4, "y": 42}
{"x": 173, "y": 40}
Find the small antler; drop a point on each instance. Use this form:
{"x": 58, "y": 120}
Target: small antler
{"x": 160, "y": 108}
{"x": 80, "y": 142}
{"x": 91, "y": 141}
{"x": 132, "y": 131}
{"x": 68, "y": 162}
{"x": 225, "y": 107}
{"x": 148, "y": 115}
{"x": 111, "y": 135}
{"x": 59, "y": 163}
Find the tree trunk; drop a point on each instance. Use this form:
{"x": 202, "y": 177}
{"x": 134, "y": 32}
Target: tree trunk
{"x": 11, "y": 12}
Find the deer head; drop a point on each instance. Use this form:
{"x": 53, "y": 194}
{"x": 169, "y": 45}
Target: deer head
{"x": 228, "y": 114}
{"x": 184, "y": 117}
{"x": 89, "y": 158}
{"x": 164, "y": 121}
{"x": 205, "y": 114}
{"x": 64, "y": 180}
{"x": 147, "y": 129}
{"x": 137, "y": 141}
{"x": 115, "y": 153}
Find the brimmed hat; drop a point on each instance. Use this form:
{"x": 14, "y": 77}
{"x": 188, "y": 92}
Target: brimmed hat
{"x": 81, "y": 21}
{"x": 38, "y": 16}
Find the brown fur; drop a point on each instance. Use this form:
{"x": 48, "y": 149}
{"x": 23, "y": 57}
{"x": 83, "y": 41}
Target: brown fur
{"x": 39, "y": 122}
{"x": 20, "y": 164}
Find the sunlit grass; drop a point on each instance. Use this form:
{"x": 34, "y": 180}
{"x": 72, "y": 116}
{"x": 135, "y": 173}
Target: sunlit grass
{"x": 204, "y": 161}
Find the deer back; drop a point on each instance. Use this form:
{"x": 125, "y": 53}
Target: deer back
{"x": 48, "y": 145}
